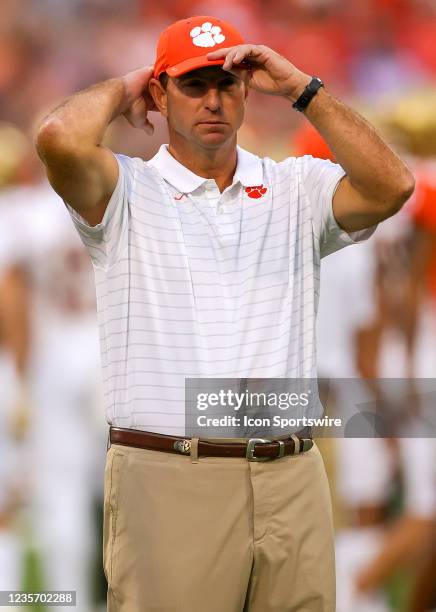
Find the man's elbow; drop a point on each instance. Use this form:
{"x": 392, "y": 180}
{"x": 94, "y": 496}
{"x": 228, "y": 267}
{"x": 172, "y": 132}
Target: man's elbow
{"x": 402, "y": 191}
{"x": 51, "y": 139}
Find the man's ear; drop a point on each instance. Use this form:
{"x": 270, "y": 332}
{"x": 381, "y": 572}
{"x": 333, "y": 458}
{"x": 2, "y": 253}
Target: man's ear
{"x": 159, "y": 95}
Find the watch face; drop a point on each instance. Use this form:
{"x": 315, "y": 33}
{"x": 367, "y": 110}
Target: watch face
{"x": 315, "y": 84}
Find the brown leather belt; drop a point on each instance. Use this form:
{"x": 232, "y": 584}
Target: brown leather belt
{"x": 255, "y": 449}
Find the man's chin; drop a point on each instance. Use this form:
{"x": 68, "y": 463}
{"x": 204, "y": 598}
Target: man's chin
{"x": 214, "y": 139}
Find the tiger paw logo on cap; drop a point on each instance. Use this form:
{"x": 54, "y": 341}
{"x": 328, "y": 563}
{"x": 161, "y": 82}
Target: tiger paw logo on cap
{"x": 184, "y": 45}
{"x": 207, "y": 35}
{"x": 256, "y": 191}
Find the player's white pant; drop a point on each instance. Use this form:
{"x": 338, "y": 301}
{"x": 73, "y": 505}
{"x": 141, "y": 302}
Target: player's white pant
{"x": 355, "y": 548}
{"x": 64, "y": 451}
{"x": 10, "y": 561}
{"x": 11, "y": 553}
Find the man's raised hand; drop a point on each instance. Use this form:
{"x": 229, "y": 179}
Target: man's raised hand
{"x": 268, "y": 72}
{"x": 140, "y": 100}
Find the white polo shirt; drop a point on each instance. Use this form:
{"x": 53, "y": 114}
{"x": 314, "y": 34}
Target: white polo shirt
{"x": 192, "y": 282}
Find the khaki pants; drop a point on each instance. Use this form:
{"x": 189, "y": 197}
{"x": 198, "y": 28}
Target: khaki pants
{"x": 217, "y": 535}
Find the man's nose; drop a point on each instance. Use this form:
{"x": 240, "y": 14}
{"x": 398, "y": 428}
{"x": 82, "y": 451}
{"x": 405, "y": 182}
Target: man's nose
{"x": 212, "y": 99}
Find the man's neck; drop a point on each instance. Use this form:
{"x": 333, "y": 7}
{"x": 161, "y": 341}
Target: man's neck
{"x": 218, "y": 164}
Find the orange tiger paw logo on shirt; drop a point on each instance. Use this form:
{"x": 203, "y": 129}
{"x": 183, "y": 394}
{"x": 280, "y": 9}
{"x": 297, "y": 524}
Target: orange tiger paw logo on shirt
{"x": 256, "y": 191}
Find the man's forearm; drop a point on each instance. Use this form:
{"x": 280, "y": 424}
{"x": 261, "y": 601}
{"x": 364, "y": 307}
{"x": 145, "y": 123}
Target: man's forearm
{"x": 372, "y": 167}
{"x": 84, "y": 117}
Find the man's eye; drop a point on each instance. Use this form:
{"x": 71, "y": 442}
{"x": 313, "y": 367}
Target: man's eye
{"x": 195, "y": 83}
{"x": 227, "y": 82}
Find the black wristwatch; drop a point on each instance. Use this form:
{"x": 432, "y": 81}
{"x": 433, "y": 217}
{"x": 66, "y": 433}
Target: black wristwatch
{"x": 307, "y": 95}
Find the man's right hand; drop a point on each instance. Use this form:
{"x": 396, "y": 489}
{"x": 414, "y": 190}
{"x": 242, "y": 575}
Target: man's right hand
{"x": 140, "y": 100}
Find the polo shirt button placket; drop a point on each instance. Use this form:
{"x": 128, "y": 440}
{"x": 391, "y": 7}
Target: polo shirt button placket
{"x": 220, "y": 205}
{"x": 212, "y": 194}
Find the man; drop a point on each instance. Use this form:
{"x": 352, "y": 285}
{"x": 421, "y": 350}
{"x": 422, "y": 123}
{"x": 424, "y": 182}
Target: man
{"x": 207, "y": 260}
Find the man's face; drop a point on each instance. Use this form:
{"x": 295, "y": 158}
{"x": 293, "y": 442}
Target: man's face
{"x": 206, "y": 106}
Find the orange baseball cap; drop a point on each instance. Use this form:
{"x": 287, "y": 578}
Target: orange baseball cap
{"x": 184, "y": 45}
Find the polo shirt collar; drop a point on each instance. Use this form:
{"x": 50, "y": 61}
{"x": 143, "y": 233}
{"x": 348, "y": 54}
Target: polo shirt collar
{"x": 249, "y": 170}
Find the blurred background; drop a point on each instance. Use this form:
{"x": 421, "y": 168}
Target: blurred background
{"x": 377, "y": 314}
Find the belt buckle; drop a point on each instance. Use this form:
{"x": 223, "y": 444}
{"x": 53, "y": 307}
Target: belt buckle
{"x": 182, "y": 446}
{"x": 307, "y": 444}
{"x": 251, "y": 448}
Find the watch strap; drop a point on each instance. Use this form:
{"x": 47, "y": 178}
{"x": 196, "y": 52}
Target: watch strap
{"x": 309, "y": 92}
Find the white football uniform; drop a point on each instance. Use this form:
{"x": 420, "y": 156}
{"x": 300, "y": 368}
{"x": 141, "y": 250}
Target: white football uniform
{"x": 66, "y": 446}
{"x": 364, "y": 465}
{"x": 10, "y": 543}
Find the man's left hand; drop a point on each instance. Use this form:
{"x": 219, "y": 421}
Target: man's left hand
{"x": 268, "y": 72}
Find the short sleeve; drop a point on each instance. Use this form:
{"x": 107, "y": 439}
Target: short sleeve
{"x": 107, "y": 240}
{"x": 320, "y": 179}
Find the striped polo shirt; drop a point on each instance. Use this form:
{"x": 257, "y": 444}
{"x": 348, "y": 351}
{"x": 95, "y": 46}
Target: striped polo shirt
{"x": 191, "y": 282}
